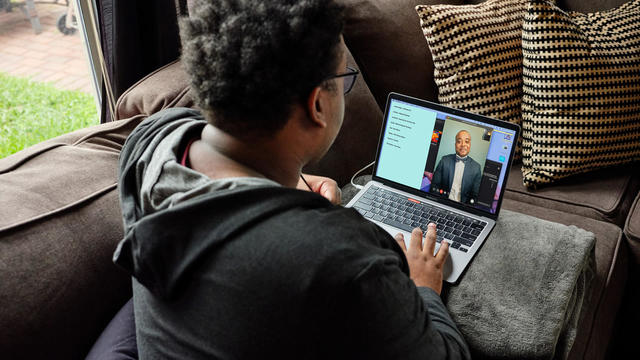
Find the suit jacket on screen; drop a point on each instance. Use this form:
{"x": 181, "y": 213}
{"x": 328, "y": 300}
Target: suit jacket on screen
{"x": 443, "y": 177}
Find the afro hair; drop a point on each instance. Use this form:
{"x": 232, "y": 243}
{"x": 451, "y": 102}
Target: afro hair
{"x": 250, "y": 61}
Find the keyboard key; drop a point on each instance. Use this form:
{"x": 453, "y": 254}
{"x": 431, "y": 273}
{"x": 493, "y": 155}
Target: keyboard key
{"x": 360, "y": 206}
{"x": 378, "y": 217}
{"x": 455, "y": 245}
{"x": 463, "y": 241}
{"x": 463, "y": 249}
{"x": 468, "y": 236}
{"x": 397, "y": 224}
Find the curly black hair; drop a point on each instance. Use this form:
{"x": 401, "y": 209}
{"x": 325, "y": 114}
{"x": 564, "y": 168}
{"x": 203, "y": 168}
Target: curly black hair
{"x": 249, "y": 61}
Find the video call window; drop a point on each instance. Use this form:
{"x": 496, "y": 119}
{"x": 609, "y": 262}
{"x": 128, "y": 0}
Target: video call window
{"x": 459, "y": 165}
{"x": 455, "y": 170}
{"x": 454, "y": 158}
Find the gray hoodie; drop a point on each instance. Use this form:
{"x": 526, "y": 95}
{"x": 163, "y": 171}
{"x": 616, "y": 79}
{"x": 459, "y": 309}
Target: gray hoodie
{"x": 245, "y": 268}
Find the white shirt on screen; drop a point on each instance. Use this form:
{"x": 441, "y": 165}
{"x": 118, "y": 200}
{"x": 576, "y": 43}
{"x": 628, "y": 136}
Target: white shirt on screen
{"x": 456, "y": 185}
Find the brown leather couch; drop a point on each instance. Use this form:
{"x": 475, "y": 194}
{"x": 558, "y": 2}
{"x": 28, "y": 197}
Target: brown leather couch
{"x": 60, "y": 220}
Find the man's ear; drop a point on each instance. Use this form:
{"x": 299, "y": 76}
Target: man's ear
{"x": 317, "y": 106}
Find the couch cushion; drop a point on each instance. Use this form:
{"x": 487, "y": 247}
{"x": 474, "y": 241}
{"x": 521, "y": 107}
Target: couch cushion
{"x": 604, "y": 195}
{"x": 581, "y": 90}
{"x": 632, "y": 229}
{"x": 59, "y": 225}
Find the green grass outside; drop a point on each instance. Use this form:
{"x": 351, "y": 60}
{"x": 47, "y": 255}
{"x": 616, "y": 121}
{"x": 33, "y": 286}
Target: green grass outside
{"x": 31, "y": 112}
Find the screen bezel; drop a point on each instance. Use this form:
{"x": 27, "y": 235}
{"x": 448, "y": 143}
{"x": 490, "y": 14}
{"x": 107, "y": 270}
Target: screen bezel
{"x": 453, "y": 112}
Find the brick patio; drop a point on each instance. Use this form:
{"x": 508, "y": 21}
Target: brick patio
{"x": 46, "y": 57}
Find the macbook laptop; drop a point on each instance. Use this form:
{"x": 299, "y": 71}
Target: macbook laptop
{"x": 441, "y": 165}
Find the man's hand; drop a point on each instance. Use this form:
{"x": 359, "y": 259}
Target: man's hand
{"x": 322, "y": 185}
{"x": 425, "y": 269}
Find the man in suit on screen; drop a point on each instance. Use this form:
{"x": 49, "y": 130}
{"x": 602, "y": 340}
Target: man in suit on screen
{"x": 457, "y": 175}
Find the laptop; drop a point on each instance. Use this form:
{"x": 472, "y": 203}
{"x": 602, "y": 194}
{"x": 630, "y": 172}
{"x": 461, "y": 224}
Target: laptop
{"x": 442, "y": 165}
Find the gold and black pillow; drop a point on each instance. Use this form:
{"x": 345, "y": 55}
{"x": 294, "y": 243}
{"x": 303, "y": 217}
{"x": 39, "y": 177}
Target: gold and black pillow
{"x": 581, "y": 84}
{"x": 477, "y": 56}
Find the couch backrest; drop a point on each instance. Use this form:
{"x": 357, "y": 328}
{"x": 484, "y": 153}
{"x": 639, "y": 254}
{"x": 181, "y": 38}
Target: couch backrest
{"x": 387, "y": 45}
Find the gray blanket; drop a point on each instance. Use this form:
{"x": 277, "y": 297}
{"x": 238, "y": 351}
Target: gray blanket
{"x": 522, "y": 294}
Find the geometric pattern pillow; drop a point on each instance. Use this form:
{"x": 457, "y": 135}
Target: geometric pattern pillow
{"x": 477, "y": 56}
{"x": 581, "y": 82}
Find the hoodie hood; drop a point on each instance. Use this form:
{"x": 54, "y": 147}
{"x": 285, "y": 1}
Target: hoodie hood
{"x": 174, "y": 215}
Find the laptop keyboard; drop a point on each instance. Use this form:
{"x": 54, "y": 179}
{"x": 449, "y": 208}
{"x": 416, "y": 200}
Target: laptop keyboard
{"x": 406, "y": 213}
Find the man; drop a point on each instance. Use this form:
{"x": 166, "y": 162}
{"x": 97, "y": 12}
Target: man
{"x": 229, "y": 260}
{"x": 458, "y": 175}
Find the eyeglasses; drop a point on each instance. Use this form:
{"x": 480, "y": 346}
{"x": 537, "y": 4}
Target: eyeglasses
{"x": 349, "y": 78}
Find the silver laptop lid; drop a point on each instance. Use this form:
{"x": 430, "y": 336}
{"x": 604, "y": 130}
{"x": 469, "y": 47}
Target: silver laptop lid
{"x": 450, "y": 156}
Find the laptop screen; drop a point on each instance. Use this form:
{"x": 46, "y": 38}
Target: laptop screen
{"x": 457, "y": 157}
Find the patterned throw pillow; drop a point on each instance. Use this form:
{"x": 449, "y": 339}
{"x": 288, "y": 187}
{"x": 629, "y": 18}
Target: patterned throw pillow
{"x": 581, "y": 102}
{"x": 477, "y": 56}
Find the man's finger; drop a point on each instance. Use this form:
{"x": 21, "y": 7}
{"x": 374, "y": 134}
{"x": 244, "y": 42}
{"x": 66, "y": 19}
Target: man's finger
{"x": 331, "y": 191}
{"x": 441, "y": 256}
{"x": 400, "y": 240}
{"x": 430, "y": 239}
{"x": 416, "y": 239}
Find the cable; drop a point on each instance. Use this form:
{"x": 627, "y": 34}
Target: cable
{"x": 306, "y": 183}
{"x": 356, "y": 174}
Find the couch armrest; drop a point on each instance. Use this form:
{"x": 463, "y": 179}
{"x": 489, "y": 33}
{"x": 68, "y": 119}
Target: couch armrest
{"x": 632, "y": 229}
{"x": 60, "y": 223}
